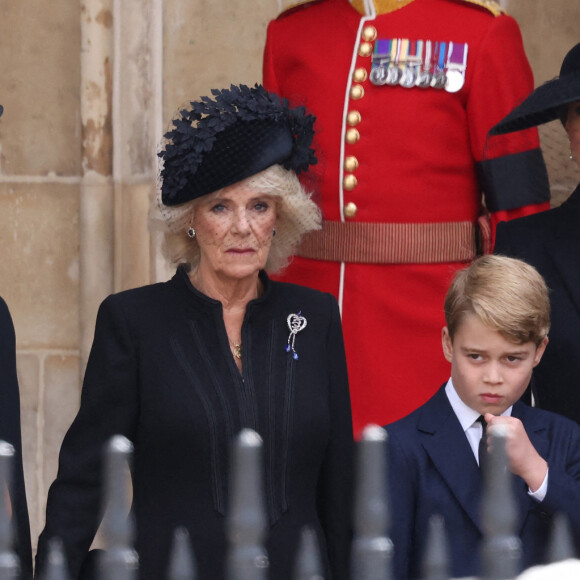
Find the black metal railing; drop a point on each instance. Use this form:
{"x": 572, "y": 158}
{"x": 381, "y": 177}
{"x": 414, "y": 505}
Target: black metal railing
{"x": 372, "y": 549}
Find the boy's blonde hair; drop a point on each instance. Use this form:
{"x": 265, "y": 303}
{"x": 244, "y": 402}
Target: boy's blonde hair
{"x": 506, "y": 294}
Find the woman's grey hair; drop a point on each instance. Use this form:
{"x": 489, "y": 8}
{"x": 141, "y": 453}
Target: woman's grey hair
{"x": 297, "y": 214}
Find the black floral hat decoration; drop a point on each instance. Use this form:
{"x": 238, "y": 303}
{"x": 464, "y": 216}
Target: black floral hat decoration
{"x": 238, "y": 133}
{"x": 548, "y": 101}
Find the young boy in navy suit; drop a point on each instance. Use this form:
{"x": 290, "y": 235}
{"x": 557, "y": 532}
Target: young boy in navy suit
{"x": 497, "y": 316}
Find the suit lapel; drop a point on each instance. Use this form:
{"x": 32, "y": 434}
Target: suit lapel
{"x": 449, "y": 450}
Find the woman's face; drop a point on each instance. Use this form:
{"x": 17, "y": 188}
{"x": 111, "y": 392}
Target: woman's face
{"x": 573, "y": 130}
{"x": 234, "y": 229}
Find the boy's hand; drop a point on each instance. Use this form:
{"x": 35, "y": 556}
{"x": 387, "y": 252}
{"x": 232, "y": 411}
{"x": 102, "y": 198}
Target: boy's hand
{"x": 523, "y": 458}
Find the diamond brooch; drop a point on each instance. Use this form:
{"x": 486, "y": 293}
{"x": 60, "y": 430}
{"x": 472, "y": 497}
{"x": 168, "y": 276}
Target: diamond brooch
{"x": 296, "y": 323}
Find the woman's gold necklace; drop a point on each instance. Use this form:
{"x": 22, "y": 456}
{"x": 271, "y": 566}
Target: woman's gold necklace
{"x": 237, "y": 350}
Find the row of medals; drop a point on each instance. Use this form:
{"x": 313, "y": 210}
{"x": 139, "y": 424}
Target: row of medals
{"x": 413, "y": 76}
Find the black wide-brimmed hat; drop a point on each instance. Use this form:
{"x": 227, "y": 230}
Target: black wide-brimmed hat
{"x": 238, "y": 133}
{"x": 547, "y": 101}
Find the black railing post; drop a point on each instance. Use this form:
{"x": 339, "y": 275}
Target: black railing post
{"x": 561, "y": 543}
{"x": 501, "y": 549}
{"x": 435, "y": 565}
{"x": 9, "y": 565}
{"x": 246, "y": 522}
{"x": 181, "y": 560}
{"x": 372, "y": 549}
{"x": 56, "y": 566}
{"x": 308, "y": 565}
{"x": 119, "y": 561}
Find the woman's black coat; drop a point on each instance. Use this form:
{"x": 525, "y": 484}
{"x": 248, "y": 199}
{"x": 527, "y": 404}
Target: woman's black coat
{"x": 162, "y": 374}
{"x": 550, "y": 241}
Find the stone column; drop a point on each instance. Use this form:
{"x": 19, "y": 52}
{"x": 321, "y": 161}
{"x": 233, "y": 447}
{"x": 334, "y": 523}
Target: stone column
{"x": 96, "y": 192}
{"x": 137, "y": 86}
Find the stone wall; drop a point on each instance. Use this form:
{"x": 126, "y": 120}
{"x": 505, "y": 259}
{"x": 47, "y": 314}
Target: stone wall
{"x": 40, "y": 162}
{"x": 88, "y": 89}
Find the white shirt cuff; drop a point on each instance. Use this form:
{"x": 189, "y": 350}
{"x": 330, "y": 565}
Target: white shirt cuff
{"x": 541, "y": 492}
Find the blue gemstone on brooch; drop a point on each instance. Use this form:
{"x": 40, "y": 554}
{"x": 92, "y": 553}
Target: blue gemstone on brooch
{"x": 295, "y": 356}
{"x": 287, "y": 349}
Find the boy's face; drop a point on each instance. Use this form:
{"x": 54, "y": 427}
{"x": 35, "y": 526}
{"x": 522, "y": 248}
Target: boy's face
{"x": 489, "y": 372}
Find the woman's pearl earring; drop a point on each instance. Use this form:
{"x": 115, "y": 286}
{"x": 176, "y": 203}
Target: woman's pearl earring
{"x": 191, "y": 233}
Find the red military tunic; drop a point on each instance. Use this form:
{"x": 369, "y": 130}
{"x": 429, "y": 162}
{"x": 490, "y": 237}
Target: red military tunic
{"x": 400, "y": 173}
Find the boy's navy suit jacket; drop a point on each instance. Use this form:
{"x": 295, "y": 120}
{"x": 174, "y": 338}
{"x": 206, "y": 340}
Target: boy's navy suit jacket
{"x": 432, "y": 469}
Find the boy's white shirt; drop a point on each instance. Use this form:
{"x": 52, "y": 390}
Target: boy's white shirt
{"x": 473, "y": 430}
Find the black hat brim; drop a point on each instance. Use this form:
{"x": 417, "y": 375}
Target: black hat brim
{"x": 542, "y": 106}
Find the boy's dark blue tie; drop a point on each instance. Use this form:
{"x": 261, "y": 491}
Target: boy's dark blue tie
{"x": 482, "y": 451}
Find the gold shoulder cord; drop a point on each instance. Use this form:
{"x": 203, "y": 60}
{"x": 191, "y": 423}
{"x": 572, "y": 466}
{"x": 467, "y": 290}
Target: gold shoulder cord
{"x": 386, "y": 6}
{"x": 295, "y": 4}
{"x": 381, "y": 6}
{"x": 491, "y": 5}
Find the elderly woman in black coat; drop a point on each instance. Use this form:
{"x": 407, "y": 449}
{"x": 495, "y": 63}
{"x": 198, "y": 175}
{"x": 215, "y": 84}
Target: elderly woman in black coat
{"x": 550, "y": 241}
{"x": 181, "y": 367}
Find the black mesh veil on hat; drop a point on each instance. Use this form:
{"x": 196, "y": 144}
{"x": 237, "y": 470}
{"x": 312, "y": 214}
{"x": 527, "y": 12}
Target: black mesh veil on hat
{"x": 221, "y": 141}
{"x": 547, "y": 101}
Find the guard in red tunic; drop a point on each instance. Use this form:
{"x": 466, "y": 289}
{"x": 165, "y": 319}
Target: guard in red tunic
{"x": 404, "y": 92}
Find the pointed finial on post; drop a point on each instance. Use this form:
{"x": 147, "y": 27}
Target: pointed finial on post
{"x": 501, "y": 549}
{"x": 308, "y": 565}
{"x": 372, "y": 549}
{"x": 181, "y": 560}
{"x": 246, "y": 523}
{"x": 561, "y": 543}
{"x": 119, "y": 561}
{"x": 436, "y": 558}
{"x": 56, "y": 566}
{"x": 9, "y": 564}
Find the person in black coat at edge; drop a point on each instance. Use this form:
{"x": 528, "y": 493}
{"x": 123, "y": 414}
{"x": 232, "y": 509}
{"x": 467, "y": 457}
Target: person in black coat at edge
{"x": 550, "y": 241}
{"x": 181, "y": 367}
{"x": 10, "y": 432}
